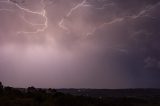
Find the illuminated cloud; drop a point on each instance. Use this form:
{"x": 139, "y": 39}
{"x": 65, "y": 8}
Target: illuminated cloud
{"x": 80, "y": 43}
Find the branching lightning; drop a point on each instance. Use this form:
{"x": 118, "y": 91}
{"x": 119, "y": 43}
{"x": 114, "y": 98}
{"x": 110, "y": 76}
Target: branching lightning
{"x": 26, "y": 10}
{"x": 120, "y": 19}
{"x": 61, "y": 23}
{"x": 41, "y": 27}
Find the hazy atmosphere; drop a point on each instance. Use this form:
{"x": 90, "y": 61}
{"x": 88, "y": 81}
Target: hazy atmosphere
{"x": 80, "y": 43}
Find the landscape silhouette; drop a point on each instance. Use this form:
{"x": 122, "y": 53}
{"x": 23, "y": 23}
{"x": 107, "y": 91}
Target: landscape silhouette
{"x": 32, "y": 96}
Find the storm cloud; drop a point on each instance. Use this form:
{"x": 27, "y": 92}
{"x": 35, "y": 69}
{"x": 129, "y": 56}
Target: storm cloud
{"x": 80, "y": 43}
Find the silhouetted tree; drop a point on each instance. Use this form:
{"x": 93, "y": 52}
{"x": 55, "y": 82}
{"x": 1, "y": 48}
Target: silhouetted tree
{"x": 31, "y": 89}
{"x": 8, "y": 90}
{"x": 51, "y": 91}
{"x": 1, "y": 87}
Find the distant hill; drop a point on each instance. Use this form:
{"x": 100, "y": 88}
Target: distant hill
{"x": 78, "y": 97}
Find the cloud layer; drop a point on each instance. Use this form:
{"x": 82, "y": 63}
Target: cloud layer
{"x": 80, "y": 43}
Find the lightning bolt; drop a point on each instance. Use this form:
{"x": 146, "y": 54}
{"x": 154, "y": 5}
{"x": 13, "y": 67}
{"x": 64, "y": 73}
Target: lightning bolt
{"x": 5, "y": 9}
{"x": 42, "y": 13}
{"x": 104, "y": 24}
{"x": 105, "y": 5}
{"x": 120, "y": 19}
{"x": 76, "y": 7}
{"x": 61, "y": 23}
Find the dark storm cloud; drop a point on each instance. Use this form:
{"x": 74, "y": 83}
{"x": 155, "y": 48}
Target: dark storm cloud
{"x": 90, "y": 43}
{"x": 138, "y": 34}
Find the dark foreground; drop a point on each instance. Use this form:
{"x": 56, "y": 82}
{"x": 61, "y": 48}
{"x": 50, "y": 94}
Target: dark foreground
{"x": 78, "y": 97}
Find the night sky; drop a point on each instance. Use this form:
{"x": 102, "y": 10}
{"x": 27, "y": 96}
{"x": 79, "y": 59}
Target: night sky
{"x": 80, "y": 43}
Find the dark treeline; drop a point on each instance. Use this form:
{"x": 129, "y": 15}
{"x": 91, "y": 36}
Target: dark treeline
{"x": 50, "y": 97}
